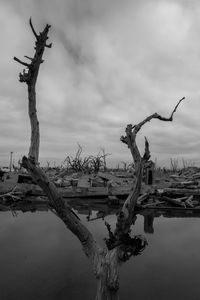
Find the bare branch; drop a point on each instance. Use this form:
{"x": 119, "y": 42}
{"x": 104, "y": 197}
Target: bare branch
{"x": 48, "y": 45}
{"x": 30, "y": 58}
{"x": 34, "y": 32}
{"x": 156, "y": 116}
{"x": 21, "y": 62}
{"x": 171, "y": 117}
{"x": 130, "y": 139}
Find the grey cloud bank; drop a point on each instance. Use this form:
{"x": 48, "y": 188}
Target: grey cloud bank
{"x": 112, "y": 63}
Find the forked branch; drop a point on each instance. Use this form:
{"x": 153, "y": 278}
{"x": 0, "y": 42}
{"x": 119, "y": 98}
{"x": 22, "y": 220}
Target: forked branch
{"x": 157, "y": 116}
{"x": 139, "y": 162}
{"x": 30, "y": 76}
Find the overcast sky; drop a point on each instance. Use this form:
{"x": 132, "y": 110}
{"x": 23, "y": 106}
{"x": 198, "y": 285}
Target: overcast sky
{"x": 112, "y": 63}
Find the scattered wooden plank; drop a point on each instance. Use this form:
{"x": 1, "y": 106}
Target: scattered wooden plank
{"x": 189, "y": 202}
{"x": 142, "y": 198}
{"x": 184, "y": 184}
{"x": 183, "y": 191}
{"x": 110, "y": 177}
{"x": 173, "y": 201}
{"x": 155, "y": 204}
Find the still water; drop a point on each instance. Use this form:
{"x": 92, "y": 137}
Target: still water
{"x": 40, "y": 259}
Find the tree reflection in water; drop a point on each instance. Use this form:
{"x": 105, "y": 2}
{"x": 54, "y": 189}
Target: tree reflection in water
{"x": 130, "y": 245}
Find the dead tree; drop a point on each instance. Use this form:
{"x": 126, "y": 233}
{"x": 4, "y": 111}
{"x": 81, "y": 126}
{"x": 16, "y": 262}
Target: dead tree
{"x": 78, "y": 163}
{"x": 29, "y": 76}
{"x": 121, "y": 246}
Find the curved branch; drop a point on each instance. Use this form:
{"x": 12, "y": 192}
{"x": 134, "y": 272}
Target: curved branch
{"x": 171, "y": 117}
{"x": 33, "y": 30}
{"x": 157, "y": 116}
{"x": 124, "y": 222}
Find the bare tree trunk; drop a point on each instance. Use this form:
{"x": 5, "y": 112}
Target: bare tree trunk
{"x": 108, "y": 276}
{"x": 30, "y": 77}
{"x": 35, "y": 132}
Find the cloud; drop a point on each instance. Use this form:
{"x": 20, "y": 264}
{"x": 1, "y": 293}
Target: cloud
{"x": 112, "y": 63}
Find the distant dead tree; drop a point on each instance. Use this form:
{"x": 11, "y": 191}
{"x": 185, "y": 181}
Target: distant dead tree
{"x": 78, "y": 163}
{"x": 124, "y": 163}
{"x": 89, "y": 163}
{"x": 121, "y": 246}
{"x": 174, "y": 164}
{"x": 98, "y": 162}
{"x": 104, "y": 155}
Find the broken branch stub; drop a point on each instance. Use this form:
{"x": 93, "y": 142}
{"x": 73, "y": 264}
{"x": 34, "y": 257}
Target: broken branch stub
{"x": 29, "y": 76}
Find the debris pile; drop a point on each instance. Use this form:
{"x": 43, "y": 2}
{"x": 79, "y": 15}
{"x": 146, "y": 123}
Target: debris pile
{"x": 183, "y": 191}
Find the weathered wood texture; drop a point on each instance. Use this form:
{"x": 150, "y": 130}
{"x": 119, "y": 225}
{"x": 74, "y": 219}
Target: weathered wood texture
{"x": 29, "y": 76}
{"x": 139, "y": 162}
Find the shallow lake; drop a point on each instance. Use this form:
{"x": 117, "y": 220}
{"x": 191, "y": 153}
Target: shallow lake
{"x": 41, "y": 259}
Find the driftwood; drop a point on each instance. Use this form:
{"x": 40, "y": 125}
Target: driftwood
{"x": 184, "y": 184}
{"x": 11, "y": 196}
{"x": 182, "y": 191}
{"x": 142, "y": 198}
{"x": 189, "y": 202}
{"x": 176, "y": 202}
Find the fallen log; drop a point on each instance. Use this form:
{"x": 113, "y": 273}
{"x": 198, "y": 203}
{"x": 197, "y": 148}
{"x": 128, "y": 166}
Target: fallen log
{"x": 154, "y": 204}
{"x": 142, "y": 198}
{"x": 195, "y": 175}
{"x": 184, "y": 184}
{"x": 189, "y": 202}
{"x": 109, "y": 177}
{"x": 176, "y": 202}
{"x": 183, "y": 191}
